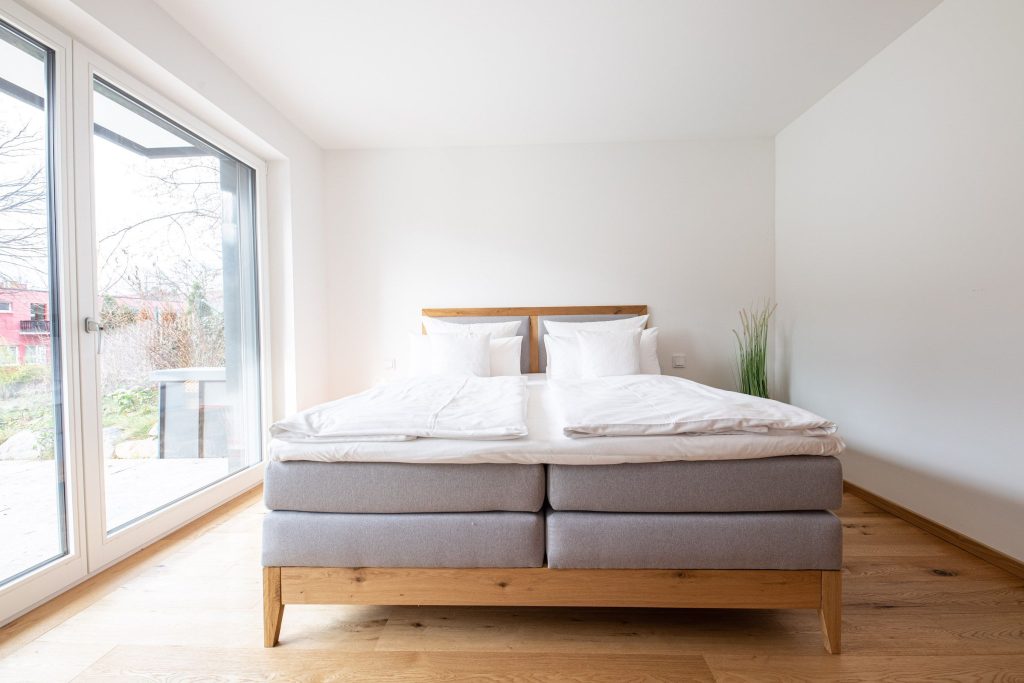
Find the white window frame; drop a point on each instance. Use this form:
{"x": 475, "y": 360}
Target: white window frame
{"x": 39, "y": 585}
{"x": 9, "y": 306}
{"x": 104, "y": 548}
{"x": 90, "y": 549}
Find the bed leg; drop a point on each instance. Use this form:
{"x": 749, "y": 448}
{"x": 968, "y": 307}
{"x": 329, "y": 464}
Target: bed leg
{"x": 831, "y": 610}
{"x": 273, "y": 608}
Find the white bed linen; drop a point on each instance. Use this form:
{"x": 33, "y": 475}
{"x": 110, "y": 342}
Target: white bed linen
{"x": 451, "y": 408}
{"x": 659, "y": 405}
{"x": 546, "y": 443}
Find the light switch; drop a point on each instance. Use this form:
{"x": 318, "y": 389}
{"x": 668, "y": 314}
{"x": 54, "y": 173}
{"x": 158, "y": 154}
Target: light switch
{"x": 679, "y": 360}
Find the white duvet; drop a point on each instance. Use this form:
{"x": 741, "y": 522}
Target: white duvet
{"x": 661, "y": 405}
{"x": 478, "y": 408}
{"x": 546, "y": 443}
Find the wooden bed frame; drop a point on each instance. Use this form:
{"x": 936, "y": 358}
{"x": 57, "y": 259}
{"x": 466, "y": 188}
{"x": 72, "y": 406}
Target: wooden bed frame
{"x": 544, "y": 587}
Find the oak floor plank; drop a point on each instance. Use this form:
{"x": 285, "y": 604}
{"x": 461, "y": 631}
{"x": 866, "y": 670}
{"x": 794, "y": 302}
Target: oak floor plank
{"x": 638, "y": 631}
{"x": 170, "y": 664}
{"x": 41, "y": 662}
{"x": 865, "y": 669}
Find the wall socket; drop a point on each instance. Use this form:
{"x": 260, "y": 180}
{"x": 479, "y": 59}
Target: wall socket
{"x": 679, "y": 360}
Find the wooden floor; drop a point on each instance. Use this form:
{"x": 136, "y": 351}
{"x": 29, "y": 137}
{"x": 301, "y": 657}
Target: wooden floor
{"x": 188, "y": 608}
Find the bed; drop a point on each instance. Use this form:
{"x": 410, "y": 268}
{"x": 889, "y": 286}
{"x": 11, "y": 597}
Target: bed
{"x": 734, "y": 522}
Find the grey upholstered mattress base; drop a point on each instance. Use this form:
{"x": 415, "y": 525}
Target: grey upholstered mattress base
{"x": 581, "y": 540}
{"x": 728, "y": 540}
{"x": 795, "y": 482}
{"x": 392, "y": 487}
{"x": 464, "y": 539}
{"x": 792, "y": 482}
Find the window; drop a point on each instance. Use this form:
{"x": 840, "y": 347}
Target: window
{"x": 8, "y": 355}
{"x": 176, "y": 276}
{"x": 33, "y": 528}
{"x": 36, "y": 355}
{"x": 166, "y": 402}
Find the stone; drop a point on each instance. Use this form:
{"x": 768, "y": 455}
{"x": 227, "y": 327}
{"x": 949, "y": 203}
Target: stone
{"x": 111, "y": 437}
{"x": 136, "y": 449}
{"x": 23, "y": 445}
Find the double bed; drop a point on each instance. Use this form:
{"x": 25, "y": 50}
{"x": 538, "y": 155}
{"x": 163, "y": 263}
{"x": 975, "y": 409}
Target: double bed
{"x": 735, "y": 520}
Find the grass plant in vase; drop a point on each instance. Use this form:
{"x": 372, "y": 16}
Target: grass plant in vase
{"x": 752, "y": 346}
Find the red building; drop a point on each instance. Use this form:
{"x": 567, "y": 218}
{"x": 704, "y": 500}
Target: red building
{"x": 24, "y": 326}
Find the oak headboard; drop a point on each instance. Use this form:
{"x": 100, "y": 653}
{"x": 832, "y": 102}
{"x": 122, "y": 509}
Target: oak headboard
{"x": 533, "y": 359}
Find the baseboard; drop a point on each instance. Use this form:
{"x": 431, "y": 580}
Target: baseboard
{"x": 990, "y": 555}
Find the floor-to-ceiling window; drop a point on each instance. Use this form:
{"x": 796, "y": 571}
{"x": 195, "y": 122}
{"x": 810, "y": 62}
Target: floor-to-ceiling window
{"x": 175, "y": 296}
{"x": 33, "y": 529}
{"x": 131, "y": 388}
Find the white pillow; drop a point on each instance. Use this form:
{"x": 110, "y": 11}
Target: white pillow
{"x": 557, "y": 328}
{"x": 649, "y": 364}
{"x": 609, "y": 354}
{"x": 505, "y": 356}
{"x": 563, "y": 355}
{"x": 496, "y": 330}
{"x": 460, "y": 355}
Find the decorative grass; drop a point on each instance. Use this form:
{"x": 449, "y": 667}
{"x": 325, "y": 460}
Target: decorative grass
{"x": 752, "y": 346}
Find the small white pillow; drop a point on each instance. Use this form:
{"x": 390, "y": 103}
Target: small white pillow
{"x": 649, "y": 364}
{"x": 496, "y": 330}
{"x": 460, "y": 355}
{"x": 563, "y": 355}
{"x": 505, "y": 356}
{"x": 557, "y": 328}
{"x": 609, "y": 354}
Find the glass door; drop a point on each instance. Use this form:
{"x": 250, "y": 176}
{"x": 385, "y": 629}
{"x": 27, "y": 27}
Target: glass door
{"x": 33, "y": 500}
{"x": 173, "y": 336}
{"x": 130, "y": 358}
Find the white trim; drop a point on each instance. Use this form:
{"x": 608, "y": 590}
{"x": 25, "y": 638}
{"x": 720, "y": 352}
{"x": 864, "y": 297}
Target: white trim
{"x": 22, "y": 593}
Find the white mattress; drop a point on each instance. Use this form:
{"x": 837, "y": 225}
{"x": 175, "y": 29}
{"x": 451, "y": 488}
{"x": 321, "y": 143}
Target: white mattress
{"x": 547, "y": 444}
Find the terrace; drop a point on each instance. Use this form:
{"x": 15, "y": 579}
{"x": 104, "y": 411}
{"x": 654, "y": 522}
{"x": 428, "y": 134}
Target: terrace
{"x": 29, "y": 512}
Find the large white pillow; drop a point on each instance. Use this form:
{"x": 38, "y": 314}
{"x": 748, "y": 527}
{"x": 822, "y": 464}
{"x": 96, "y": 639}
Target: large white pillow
{"x": 505, "y": 356}
{"x": 496, "y": 330}
{"x": 609, "y": 354}
{"x": 460, "y": 355}
{"x": 564, "y": 361}
{"x": 557, "y": 328}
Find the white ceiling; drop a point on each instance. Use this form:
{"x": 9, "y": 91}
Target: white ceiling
{"x": 397, "y": 73}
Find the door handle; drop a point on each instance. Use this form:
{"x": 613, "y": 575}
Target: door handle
{"x": 93, "y": 326}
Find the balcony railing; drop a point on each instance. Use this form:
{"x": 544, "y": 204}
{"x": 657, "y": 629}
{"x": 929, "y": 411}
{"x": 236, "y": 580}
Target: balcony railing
{"x": 35, "y": 326}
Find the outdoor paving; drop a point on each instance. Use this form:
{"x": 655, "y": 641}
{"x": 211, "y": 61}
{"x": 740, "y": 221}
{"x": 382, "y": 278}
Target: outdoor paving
{"x": 28, "y": 501}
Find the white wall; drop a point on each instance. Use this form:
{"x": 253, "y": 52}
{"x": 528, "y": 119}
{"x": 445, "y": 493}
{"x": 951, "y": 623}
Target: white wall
{"x": 685, "y": 227}
{"x": 900, "y": 261}
{"x": 148, "y": 43}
